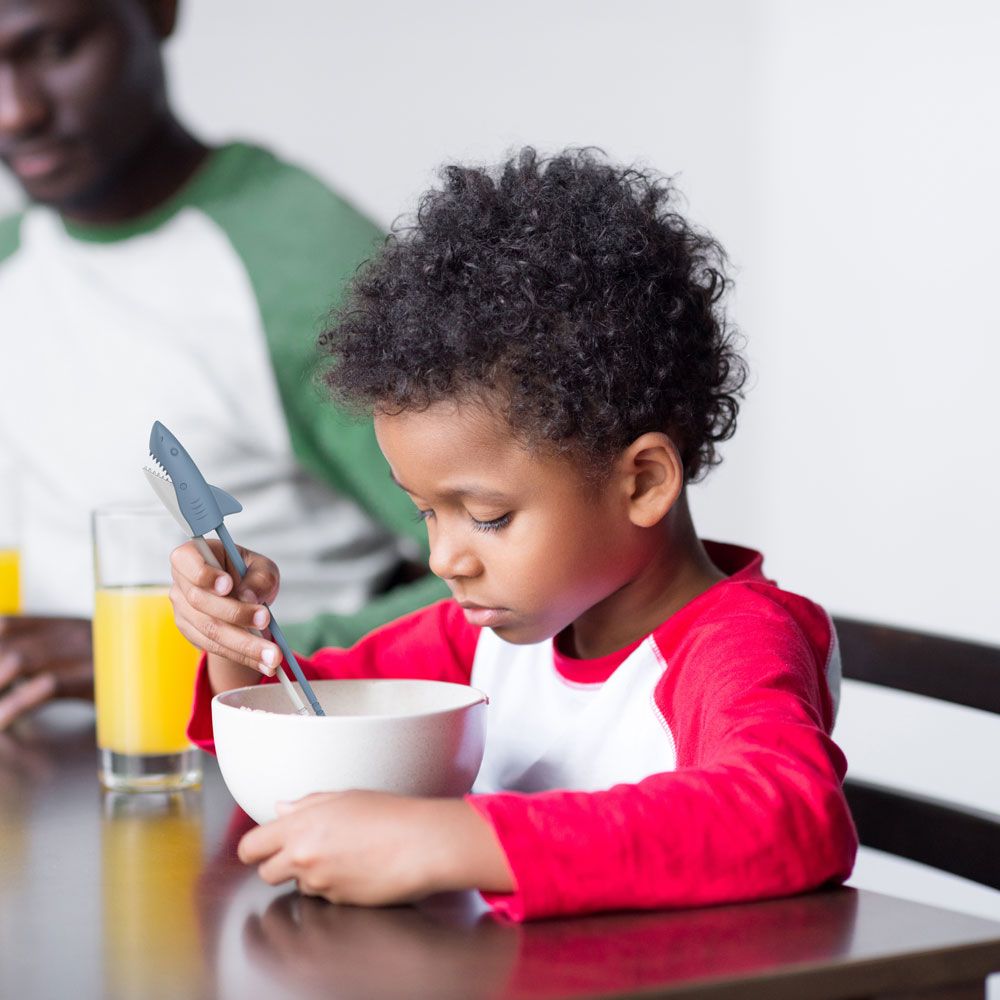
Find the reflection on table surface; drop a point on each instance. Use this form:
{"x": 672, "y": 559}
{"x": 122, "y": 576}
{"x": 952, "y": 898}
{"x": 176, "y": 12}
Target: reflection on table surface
{"x": 151, "y": 857}
{"x": 141, "y": 896}
{"x": 448, "y": 948}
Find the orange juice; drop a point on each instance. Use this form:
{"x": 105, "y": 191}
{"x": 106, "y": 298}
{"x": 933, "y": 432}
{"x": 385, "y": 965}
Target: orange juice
{"x": 144, "y": 672}
{"x": 10, "y": 582}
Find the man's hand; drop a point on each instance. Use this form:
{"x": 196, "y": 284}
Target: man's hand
{"x": 375, "y": 849}
{"x": 42, "y": 658}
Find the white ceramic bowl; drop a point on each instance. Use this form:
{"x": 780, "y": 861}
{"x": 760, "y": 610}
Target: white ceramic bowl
{"x": 412, "y": 737}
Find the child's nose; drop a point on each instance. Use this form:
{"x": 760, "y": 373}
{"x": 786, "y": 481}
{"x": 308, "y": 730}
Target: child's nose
{"x": 450, "y": 559}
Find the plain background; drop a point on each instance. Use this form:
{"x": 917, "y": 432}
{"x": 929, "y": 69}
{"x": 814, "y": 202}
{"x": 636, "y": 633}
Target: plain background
{"x": 845, "y": 153}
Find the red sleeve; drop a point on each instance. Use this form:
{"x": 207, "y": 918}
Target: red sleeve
{"x": 754, "y": 809}
{"x": 434, "y": 643}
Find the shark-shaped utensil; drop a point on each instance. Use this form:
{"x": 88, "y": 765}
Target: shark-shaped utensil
{"x": 200, "y": 508}
{"x": 164, "y": 489}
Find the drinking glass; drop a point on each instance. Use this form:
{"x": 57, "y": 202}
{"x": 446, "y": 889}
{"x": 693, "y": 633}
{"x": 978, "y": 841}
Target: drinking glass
{"x": 10, "y": 558}
{"x": 144, "y": 669}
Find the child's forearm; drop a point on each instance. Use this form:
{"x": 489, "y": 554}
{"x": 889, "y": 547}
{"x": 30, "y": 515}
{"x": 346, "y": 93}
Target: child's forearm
{"x": 469, "y": 855}
{"x": 224, "y": 675}
{"x": 376, "y": 849}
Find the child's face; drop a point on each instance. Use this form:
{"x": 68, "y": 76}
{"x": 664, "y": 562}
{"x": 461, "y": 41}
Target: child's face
{"x": 524, "y": 545}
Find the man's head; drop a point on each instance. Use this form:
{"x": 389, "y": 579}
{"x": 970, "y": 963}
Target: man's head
{"x": 82, "y": 89}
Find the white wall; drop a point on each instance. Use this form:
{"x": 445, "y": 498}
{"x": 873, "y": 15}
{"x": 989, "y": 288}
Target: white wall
{"x": 876, "y": 339}
{"x": 844, "y": 152}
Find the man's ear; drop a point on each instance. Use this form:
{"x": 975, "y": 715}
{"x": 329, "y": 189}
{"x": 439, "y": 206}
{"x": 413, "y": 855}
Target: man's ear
{"x": 163, "y": 14}
{"x": 652, "y": 475}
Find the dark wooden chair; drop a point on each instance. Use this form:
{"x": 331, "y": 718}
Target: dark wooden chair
{"x": 952, "y": 838}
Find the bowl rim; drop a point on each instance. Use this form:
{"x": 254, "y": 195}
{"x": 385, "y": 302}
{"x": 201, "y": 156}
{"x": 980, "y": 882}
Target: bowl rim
{"x": 482, "y": 699}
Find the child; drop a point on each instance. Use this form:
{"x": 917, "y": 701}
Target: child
{"x": 548, "y": 364}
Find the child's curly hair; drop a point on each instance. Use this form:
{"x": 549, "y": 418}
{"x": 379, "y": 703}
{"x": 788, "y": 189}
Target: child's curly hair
{"x": 567, "y": 290}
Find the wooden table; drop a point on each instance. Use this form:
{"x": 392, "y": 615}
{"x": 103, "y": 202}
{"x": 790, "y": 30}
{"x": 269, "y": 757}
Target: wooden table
{"x": 112, "y": 896}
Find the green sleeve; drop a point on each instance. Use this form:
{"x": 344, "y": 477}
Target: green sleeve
{"x": 345, "y": 630}
{"x": 10, "y": 235}
{"x": 301, "y": 244}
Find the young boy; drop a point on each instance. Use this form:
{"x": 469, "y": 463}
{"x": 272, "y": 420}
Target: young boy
{"x": 548, "y": 364}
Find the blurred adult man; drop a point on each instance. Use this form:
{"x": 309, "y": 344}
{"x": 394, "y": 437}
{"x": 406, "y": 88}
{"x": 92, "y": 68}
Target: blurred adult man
{"x": 152, "y": 277}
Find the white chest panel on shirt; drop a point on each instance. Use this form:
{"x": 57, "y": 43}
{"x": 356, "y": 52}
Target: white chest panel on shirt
{"x": 99, "y": 340}
{"x": 544, "y": 732}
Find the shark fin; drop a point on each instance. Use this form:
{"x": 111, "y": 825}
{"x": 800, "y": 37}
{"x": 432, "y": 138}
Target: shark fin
{"x": 227, "y": 504}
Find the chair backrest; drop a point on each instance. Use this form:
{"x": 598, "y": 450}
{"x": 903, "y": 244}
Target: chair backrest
{"x": 952, "y": 838}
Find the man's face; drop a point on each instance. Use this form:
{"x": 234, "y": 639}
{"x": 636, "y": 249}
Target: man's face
{"x": 81, "y": 89}
{"x": 524, "y": 545}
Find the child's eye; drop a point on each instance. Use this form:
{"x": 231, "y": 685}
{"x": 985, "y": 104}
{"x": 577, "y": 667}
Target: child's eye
{"x": 495, "y": 525}
{"x": 423, "y": 515}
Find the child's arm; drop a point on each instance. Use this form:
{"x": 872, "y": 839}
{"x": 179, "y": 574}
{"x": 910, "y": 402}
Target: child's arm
{"x": 755, "y": 809}
{"x": 362, "y": 847}
{"x": 374, "y": 849}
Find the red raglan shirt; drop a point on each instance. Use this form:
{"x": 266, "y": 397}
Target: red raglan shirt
{"x": 693, "y": 767}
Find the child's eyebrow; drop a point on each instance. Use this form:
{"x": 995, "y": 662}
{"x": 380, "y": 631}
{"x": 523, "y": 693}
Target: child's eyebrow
{"x": 462, "y": 492}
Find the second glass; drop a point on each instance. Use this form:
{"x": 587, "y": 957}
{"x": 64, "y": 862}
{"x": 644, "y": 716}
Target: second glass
{"x": 10, "y": 558}
{"x": 144, "y": 669}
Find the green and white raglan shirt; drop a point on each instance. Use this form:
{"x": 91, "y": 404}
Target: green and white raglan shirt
{"x": 203, "y": 315}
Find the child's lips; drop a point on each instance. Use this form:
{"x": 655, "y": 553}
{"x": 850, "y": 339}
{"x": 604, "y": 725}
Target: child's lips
{"x": 477, "y": 614}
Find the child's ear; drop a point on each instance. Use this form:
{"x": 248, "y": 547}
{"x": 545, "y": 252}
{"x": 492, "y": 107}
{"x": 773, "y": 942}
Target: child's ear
{"x": 652, "y": 474}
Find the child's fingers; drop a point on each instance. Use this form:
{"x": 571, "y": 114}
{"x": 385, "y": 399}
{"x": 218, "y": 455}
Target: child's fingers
{"x": 312, "y": 799}
{"x": 188, "y": 565}
{"x": 229, "y": 641}
{"x": 225, "y": 609}
{"x": 259, "y": 586}
{"x": 261, "y": 581}
{"x": 277, "y": 869}
{"x": 215, "y": 621}
{"x": 260, "y": 843}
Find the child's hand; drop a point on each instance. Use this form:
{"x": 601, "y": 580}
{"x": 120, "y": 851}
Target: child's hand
{"x": 216, "y": 622}
{"x": 375, "y": 849}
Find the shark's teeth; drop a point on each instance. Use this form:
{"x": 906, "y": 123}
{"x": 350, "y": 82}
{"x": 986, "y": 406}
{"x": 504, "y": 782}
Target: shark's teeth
{"x": 158, "y": 469}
